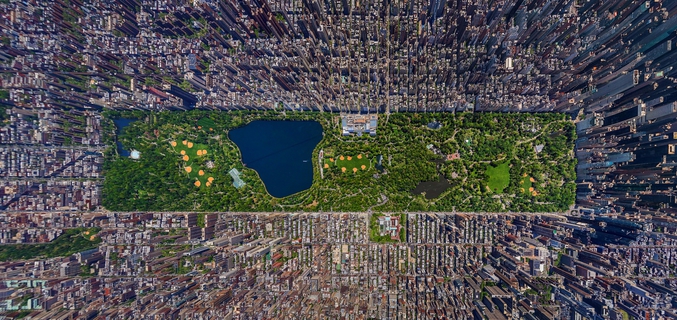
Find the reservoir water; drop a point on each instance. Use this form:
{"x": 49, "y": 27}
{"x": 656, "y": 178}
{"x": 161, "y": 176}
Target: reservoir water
{"x": 281, "y": 152}
{"x": 120, "y": 125}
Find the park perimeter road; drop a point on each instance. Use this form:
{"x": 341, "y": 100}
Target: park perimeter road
{"x": 105, "y": 212}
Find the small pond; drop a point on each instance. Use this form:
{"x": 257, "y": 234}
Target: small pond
{"x": 120, "y": 125}
{"x": 432, "y": 189}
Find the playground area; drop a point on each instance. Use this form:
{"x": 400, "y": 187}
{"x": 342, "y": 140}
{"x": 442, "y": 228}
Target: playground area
{"x": 191, "y": 154}
{"x": 352, "y": 164}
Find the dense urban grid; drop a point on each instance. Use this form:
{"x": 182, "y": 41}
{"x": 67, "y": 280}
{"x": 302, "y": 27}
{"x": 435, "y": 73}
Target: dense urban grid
{"x": 327, "y": 266}
{"x": 608, "y": 64}
{"x": 605, "y": 67}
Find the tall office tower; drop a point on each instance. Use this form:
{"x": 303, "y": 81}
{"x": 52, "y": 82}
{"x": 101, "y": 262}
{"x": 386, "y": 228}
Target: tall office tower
{"x": 626, "y": 144}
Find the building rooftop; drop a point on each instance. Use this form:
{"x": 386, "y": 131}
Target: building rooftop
{"x": 237, "y": 181}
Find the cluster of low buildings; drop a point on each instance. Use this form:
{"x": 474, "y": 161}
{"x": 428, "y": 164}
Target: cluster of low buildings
{"x": 46, "y": 162}
{"x": 51, "y": 194}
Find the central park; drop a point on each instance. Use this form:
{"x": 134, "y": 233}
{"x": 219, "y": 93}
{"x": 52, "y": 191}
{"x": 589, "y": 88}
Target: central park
{"x": 301, "y": 161}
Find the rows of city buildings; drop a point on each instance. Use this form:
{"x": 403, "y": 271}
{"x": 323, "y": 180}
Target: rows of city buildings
{"x": 324, "y": 266}
{"x": 611, "y": 65}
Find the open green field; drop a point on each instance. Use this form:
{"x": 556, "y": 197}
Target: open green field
{"x": 499, "y": 177}
{"x": 206, "y": 124}
{"x": 193, "y": 155}
{"x": 526, "y": 185}
{"x": 352, "y": 164}
{"x": 494, "y": 151}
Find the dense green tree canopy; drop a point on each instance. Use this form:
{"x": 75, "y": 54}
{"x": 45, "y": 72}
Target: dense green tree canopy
{"x": 537, "y": 146}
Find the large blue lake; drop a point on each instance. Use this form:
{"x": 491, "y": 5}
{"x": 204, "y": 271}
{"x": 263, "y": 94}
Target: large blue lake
{"x": 281, "y": 152}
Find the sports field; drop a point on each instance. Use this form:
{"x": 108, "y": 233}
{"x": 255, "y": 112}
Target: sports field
{"x": 352, "y": 164}
{"x": 526, "y": 185}
{"x": 192, "y": 155}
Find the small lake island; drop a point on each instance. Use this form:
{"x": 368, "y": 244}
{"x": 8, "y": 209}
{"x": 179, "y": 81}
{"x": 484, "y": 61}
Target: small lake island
{"x": 281, "y": 152}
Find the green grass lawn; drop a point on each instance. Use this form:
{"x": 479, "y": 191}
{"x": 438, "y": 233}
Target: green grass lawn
{"x": 525, "y": 184}
{"x": 624, "y": 314}
{"x": 206, "y": 124}
{"x": 195, "y": 156}
{"x": 499, "y": 177}
{"x": 354, "y": 162}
